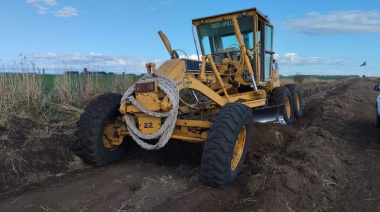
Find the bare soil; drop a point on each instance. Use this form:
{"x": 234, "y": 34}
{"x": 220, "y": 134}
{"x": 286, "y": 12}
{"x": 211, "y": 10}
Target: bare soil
{"x": 327, "y": 161}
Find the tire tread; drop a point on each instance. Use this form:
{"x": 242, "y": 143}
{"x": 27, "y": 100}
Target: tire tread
{"x": 216, "y": 160}
{"x": 90, "y": 128}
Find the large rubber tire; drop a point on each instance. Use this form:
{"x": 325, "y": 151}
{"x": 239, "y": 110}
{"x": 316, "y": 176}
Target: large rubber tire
{"x": 282, "y": 96}
{"x": 297, "y": 100}
{"x": 90, "y": 127}
{"x": 226, "y": 145}
{"x": 377, "y": 121}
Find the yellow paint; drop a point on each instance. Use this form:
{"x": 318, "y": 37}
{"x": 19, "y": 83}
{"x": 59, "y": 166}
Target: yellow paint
{"x": 219, "y": 82}
{"x": 149, "y": 125}
{"x": 193, "y": 123}
{"x": 238, "y": 149}
{"x": 165, "y": 104}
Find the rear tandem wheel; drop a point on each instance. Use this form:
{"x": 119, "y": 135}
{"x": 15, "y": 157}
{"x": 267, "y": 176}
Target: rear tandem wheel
{"x": 282, "y": 96}
{"x": 297, "y": 100}
{"x": 226, "y": 145}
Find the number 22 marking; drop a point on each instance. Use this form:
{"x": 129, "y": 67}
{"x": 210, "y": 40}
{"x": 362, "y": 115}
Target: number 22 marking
{"x": 148, "y": 125}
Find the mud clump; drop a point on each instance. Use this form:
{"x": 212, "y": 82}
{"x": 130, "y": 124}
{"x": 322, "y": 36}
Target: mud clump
{"x": 31, "y": 153}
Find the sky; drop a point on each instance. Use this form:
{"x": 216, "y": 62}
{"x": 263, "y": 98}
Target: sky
{"x": 310, "y": 37}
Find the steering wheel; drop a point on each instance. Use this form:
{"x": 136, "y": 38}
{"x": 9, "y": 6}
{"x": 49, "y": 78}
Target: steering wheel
{"x": 233, "y": 47}
{"x": 233, "y": 51}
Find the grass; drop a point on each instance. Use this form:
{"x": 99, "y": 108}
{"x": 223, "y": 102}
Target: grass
{"x": 38, "y": 114}
{"x": 50, "y": 96}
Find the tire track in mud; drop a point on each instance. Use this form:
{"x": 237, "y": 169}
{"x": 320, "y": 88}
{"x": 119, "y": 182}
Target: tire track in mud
{"x": 329, "y": 160}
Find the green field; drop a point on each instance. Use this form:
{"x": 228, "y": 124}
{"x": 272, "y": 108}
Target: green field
{"x": 106, "y": 82}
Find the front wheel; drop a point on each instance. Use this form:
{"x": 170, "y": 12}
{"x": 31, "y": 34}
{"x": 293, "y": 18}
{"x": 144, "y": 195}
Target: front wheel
{"x": 226, "y": 145}
{"x": 96, "y": 130}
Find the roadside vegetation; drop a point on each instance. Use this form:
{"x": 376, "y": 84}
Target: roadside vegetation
{"x": 38, "y": 115}
{"x": 305, "y": 79}
{"x": 44, "y": 97}
{"x": 313, "y": 84}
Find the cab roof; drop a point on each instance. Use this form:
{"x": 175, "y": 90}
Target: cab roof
{"x": 239, "y": 13}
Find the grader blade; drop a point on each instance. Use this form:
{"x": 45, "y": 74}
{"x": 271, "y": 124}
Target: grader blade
{"x": 271, "y": 114}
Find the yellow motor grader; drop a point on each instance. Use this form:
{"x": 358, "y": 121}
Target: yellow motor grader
{"x": 213, "y": 100}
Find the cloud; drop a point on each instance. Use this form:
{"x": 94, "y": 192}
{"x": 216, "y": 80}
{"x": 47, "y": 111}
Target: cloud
{"x": 41, "y": 9}
{"x": 44, "y": 6}
{"x": 66, "y": 12}
{"x": 50, "y": 2}
{"x": 337, "y": 22}
{"x": 168, "y": 2}
{"x": 295, "y": 60}
{"x": 46, "y": 2}
{"x": 53, "y": 62}
{"x": 291, "y": 63}
{"x": 192, "y": 56}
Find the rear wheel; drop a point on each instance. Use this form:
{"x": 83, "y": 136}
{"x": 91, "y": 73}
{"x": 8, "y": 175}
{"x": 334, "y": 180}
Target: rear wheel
{"x": 96, "y": 129}
{"x": 282, "y": 96}
{"x": 297, "y": 100}
{"x": 226, "y": 145}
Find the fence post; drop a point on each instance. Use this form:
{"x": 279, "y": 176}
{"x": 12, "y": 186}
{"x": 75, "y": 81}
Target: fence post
{"x": 85, "y": 75}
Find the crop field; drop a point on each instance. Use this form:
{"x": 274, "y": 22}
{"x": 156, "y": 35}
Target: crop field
{"x": 326, "y": 161}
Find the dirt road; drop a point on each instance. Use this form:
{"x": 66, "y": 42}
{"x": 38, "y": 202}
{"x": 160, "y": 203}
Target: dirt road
{"x": 327, "y": 161}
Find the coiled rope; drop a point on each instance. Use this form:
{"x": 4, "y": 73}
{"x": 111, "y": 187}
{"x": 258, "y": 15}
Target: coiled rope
{"x": 170, "y": 88}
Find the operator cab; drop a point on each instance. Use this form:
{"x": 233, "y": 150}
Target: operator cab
{"x": 217, "y": 37}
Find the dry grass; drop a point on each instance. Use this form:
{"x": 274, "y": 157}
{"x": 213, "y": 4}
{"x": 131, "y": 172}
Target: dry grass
{"x": 270, "y": 163}
{"x": 285, "y": 81}
{"x": 258, "y": 183}
{"x": 21, "y": 93}
{"x": 298, "y": 78}
{"x": 304, "y": 81}
{"x": 26, "y": 95}
{"x": 38, "y": 114}
{"x": 79, "y": 90}
{"x": 314, "y": 80}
